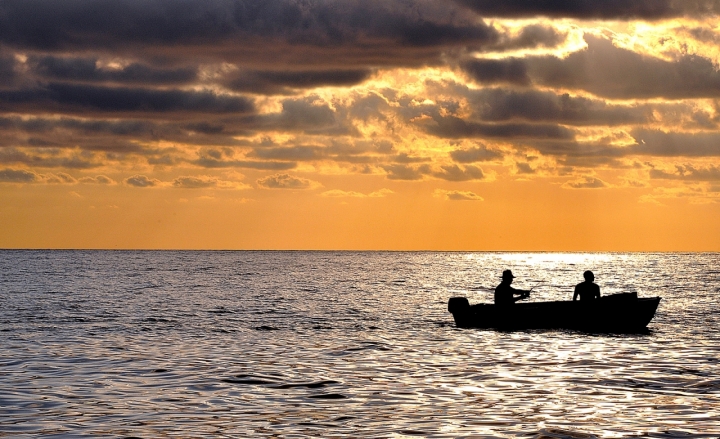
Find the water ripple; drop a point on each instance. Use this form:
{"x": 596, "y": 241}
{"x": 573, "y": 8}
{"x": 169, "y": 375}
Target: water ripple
{"x": 343, "y": 344}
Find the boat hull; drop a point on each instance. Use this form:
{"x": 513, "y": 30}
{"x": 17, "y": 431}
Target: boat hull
{"x": 615, "y": 313}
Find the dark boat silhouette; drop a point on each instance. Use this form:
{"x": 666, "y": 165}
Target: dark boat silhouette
{"x": 623, "y": 312}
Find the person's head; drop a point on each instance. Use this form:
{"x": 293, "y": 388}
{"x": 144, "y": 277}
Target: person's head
{"x": 589, "y": 276}
{"x": 507, "y": 276}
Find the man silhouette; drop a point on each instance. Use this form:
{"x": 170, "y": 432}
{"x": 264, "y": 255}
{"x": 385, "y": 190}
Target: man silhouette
{"x": 505, "y": 294}
{"x": 587, "y": 290}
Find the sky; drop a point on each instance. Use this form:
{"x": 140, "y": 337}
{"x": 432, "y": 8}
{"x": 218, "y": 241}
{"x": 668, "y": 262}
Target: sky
{"x": 523, "y": 125}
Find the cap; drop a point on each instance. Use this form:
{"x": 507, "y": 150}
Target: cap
{"x": 507, "y": 274}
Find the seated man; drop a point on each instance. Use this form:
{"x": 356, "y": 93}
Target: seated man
{"x": 505, "y": 294}
{"x": 587, "y": 290}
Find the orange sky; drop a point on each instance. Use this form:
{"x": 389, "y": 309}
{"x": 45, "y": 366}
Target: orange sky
{"x": 421, "y": 125}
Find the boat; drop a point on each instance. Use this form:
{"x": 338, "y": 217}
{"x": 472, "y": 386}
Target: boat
{"x": 623, "y": 312}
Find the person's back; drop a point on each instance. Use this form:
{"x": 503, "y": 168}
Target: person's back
{"x": 504, "y": 294}
{"x": 587, "y": 290}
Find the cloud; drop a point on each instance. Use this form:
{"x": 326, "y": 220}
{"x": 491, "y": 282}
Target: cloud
{"x": 688, "y": 173}
{"x": 222, "y": 158}
{"x": 605, "y": 70}
{"x": 452, "y": 127}
{"x": 403, "y": 157}
{"x": 590, "y": 9}
{"x": 585, "y": 183}
{"x": 497, "y": 104}
{"x": 141, "y": 181}
{"x": 286, "y": 181}
{"x": 100, "y": 179}
{"x": 531, "y": 36}
{"x": 275, "y": 82}
{"x": 8, "y": 175}
{"x": 477, "y": 154}
{"x": 457, "y": 195}
{"x": 412, "y": 32}
{"x": 208, "y": 162}
{"x": 498, "y": 71}
{"x": 90, "y": 69}
{"x": 405, "y": 172}
{"x": 456, "y": 173}
{"x": 7, "y": 69}
{"x": 524, "y": 168}
{"x": 674, "y": 144}
{"x": 85, "y": 98}
{"x": 194, "y": 182}
{"x": 309, "y": 114}
{"x": 51, "y": 160}
{"x": 60, "y": 178}
{"x": 294, "y": 153}
{"x": 337, "y": 193}
{"x": 203, "y": 182}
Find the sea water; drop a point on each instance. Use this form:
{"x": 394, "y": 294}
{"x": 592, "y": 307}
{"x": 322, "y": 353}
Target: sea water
{"x": 345, "y": 344}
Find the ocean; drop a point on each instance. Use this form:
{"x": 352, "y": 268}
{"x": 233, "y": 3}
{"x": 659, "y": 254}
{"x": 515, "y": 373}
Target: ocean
{"x": 295, "y": 344}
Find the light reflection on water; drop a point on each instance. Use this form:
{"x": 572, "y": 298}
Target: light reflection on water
{"x": 310, "y": 344}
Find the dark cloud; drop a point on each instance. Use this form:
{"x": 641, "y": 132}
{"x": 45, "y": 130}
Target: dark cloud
{"x": 209, "y": 162}
{"x": 472, "y": 155}
{"x": 360, "y": 146}
{"x": 456, "y": 173}
{"x": 286, "y": 181}
{"x": 8, "y": 175}
{"x": 592, "y": 9}
{"x": 288, "y": 82}
{"x": 114, "y": 135}
{"x": 592, "y": 161}
{"x": 650, "y": 143}
{"x": 524, "y": 168}
{"x": 369, "y": 107}
{"x": 100, "y": 179}
{"x": 405, "y": 172}
{"x": 141, "y": 181}
{"x": 309, "y": 115}
{"x": 88, "y": 69}
{"x": 405, "y": 158}
{"x": 453, "y": 128}
{"x": 377, "y": 30}
{"x": 606, "y": 70}
{"x": 458, "y": 195}
{"x": 585, "y": 183}
{"x": 60, "y": 178}
{"x": 86, "y": 98}
{"x": 532, "y": 36}
{"x": 688, "y": 173}
{"x": 49, "y": 159}
{"x": 498, "y": 71}
{"x": 660, "y": 143}
{"x": 496, "y": 104}
{"x": 194, "y": 182}
{"x": 7, "y": 69}
{"x": 205, "y": 128}
{"x": 294, "y": 153}
{"x": 304, "y": 114}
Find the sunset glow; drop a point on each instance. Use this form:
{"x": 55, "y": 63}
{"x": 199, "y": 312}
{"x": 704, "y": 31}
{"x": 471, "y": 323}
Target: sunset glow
{"x": 399, "y": 125}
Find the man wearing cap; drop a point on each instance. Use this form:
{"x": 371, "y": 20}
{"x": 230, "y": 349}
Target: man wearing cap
{"x": 505, "y": 294}
{"x": 587, "y": 290}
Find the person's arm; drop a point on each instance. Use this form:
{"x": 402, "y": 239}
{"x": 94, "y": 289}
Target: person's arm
{"x": 523, "y": 294}
{"x": 597, "y": 292}
{"x": 576, "y": 293}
